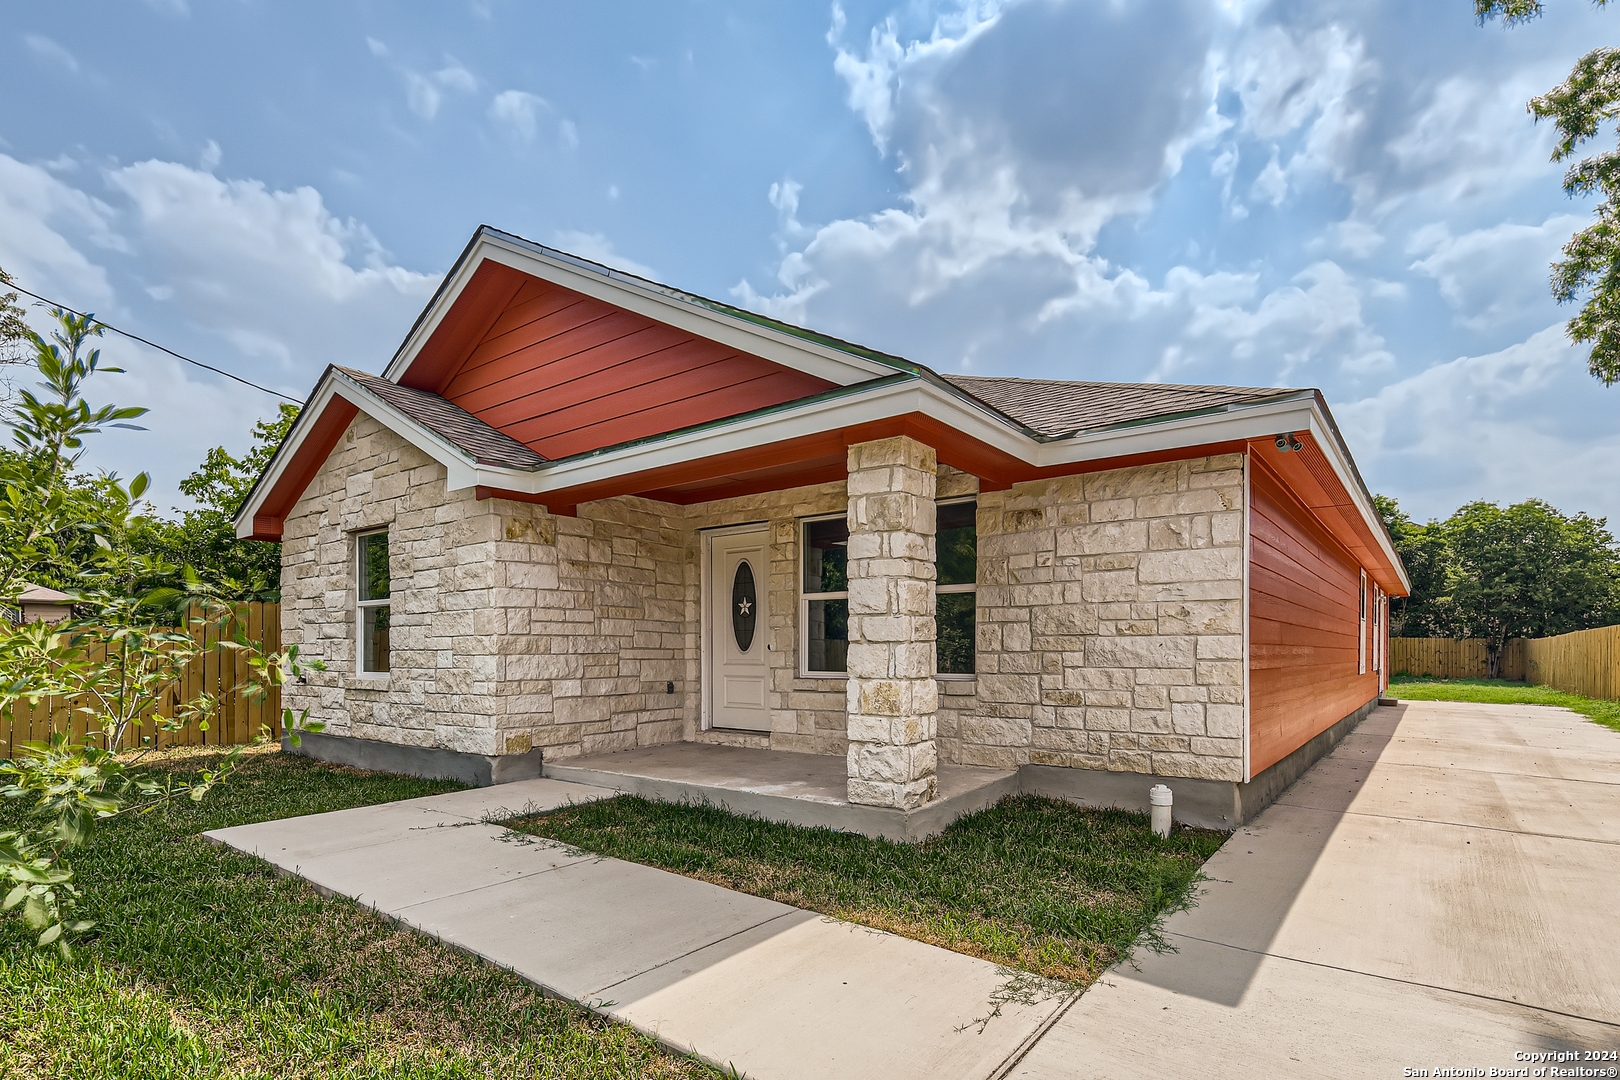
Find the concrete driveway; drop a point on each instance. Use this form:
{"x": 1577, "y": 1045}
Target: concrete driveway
{"x": 1440, "y": 892}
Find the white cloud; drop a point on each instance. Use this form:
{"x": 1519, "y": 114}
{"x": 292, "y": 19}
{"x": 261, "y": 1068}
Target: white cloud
{"x": 1526, "y": 421}
{"x": 521, "y": 113}
{"x": 598, "y": 248}
{"x": 211, "y": 156}
{"x": 1493, "y": 274}
{"x": 49, "y": 51}
{"x": 262, "y": 282}
{"x": 421, "y": 95}
{"x": 455, "y": 77}
{"x": 377, "y": 48}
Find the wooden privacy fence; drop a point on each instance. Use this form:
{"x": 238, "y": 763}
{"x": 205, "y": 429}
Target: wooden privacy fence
{"x": 1448, "y": 658}
{"x": 1586, "y": 662}
{"x": 221, "y": 672}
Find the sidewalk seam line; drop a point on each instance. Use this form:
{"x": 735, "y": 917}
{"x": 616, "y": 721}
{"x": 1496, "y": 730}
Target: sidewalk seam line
{"x": 1404, "y": 982}
{"x": 764, "y": 922}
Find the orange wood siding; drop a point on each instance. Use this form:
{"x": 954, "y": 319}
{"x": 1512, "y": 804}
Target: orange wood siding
{"x": 1304, "y": 588}
{"x": 565, "y": 374}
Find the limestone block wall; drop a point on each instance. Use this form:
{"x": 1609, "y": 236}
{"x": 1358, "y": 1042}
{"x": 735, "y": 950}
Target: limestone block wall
{"x": 1110, "y": 623}
{"x": 465, "y": 576}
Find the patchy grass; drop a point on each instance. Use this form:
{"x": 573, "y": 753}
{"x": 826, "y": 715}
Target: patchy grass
{"x": 1503, "y": 692}
{"x": 206, "y": 964}
{"x": 1035, "y": 884}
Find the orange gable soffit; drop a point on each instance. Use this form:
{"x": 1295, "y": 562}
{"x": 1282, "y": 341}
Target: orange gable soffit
{"x": 475, "y": 309}
{"x": 1308, "y": 476}
{"x": 312, "y": 453}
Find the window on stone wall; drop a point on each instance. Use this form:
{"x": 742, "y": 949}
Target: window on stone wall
{"x": 956, "y": 594}
{"x": 824, "y": 597}
{"x": 372, "y": 602}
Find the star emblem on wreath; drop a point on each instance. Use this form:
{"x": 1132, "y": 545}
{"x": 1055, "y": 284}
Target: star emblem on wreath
{"x": 744, "y": 607}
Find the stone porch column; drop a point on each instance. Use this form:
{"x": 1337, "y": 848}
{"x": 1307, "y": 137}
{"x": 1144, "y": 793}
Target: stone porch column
{"x": 892, "y": 693}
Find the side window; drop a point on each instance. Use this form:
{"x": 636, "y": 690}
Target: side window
{"x": 371, "y": 595}
{"x": 824, "y": 596}
{"x": 956, "y": 592}
{"x": 1361, "y": 628}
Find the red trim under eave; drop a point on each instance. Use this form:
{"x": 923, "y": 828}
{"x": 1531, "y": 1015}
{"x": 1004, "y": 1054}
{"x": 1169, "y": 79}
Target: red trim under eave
{"x": 763, "y": 468}
{"x": 316, "y": 447}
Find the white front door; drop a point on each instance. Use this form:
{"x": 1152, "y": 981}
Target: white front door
{"x": 738, "y": 671}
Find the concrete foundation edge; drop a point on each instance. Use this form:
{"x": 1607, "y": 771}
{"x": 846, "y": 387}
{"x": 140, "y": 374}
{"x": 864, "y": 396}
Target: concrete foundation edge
{"x": 874, "y": 821}
{"x": 1208, "y": 804}
{"x": 429, "y": 762}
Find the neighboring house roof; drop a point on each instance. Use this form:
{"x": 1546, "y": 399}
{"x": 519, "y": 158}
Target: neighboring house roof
{"x": 536, "y": 375}
{"x": 480, "y": 442}
{"x": 1057, "y": 409}
{"x": 39, "y": 594}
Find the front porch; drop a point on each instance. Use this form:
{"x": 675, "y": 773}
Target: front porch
{"x": 776, "y": 785}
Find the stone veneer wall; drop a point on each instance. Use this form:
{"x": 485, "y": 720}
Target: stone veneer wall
{"x": 513, "y": 628}
{"x": 1110, "y": 624}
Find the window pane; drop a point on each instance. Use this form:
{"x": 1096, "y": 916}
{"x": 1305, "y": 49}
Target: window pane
{"x": 827, "y": 632}
{"x": 374, "y": 566}
{"x": 826, "y": 549}
{"x": 958, "y": 544}
{"x": 954, "y": 613}
{"x": 374, "y": 638}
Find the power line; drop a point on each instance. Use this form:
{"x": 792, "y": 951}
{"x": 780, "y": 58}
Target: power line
{"x": 152, "y": 344}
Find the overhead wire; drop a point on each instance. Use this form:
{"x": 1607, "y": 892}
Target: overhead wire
{"x": 13, "y": 286}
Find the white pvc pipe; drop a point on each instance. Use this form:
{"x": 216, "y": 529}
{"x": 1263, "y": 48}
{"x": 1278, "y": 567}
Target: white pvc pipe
{"x": 1159, "y": 798}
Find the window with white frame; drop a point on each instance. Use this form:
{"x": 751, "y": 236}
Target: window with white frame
{"x": 824, "y": 596}
{"x": 824, "y": 592}
{"x": 1361, "y": 629}
{"x": 956, "y": 593}
{"x": 371, "y": 602}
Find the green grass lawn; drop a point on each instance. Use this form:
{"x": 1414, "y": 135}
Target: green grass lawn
{"x": 1035, "y": 884}
{"x": 1503, "y": 692}
{"x": 206, "y": 964}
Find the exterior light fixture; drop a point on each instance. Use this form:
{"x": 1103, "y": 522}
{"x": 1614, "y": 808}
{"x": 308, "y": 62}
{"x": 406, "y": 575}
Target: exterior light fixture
{"x": 1286, "y": 442}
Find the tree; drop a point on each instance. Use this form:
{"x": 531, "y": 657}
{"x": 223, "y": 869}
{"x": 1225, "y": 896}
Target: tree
{"x": 205, "y": 538}
{"x": 1423, "y": 549}
{"x": 116, "y": 664}
{"x": 13, "y": 328}
{"x": 1529, "y": 571}
{"x": 1579, "y": 107}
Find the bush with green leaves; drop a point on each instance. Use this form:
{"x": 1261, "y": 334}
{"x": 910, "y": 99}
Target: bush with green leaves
{"x": 117, "y": 661}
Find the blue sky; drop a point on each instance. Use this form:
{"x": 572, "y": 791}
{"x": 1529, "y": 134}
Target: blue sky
{"x": 1348, "y": 195}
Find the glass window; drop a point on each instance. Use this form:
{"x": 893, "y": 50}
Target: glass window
{"x": 824, "y": 605}
{"x": 372, "y": 594}
{"x": 955, "y": 594}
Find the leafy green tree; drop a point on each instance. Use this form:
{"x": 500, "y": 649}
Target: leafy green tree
{"x": 117, "y": 664}
{"x": 14, "y": 343}
{"x": 1424, "y": 551}
{"x": 1579, "y": 108}
{"x": 205, "y": 538}
{"x": 1529, "y": 571}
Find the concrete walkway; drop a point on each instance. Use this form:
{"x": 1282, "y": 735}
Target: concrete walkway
{"x": 767, "y": 989}
{"x": 1440, "y": 891}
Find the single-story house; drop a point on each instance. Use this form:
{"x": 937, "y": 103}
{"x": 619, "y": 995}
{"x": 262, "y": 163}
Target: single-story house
{"x": 36, "y": 603}
{"x": 583, "y": 518}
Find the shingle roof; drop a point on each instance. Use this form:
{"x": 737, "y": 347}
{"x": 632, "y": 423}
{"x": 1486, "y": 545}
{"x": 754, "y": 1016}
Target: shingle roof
{"x": 1055, "y": 408}
{"x": 461, "y": 428}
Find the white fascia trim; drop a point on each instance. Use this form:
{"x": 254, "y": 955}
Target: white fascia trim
{"x": 834, "y": 365}
{"x": 460, "y": 469}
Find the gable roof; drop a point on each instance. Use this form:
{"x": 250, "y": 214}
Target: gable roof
{"x": 480, "y": 442}
{"x": 534, "y": 374}
{"x": 1058, "y": 409}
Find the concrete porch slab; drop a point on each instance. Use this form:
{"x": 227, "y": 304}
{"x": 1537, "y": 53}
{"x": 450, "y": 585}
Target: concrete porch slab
{"x": 797, "y": 789}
